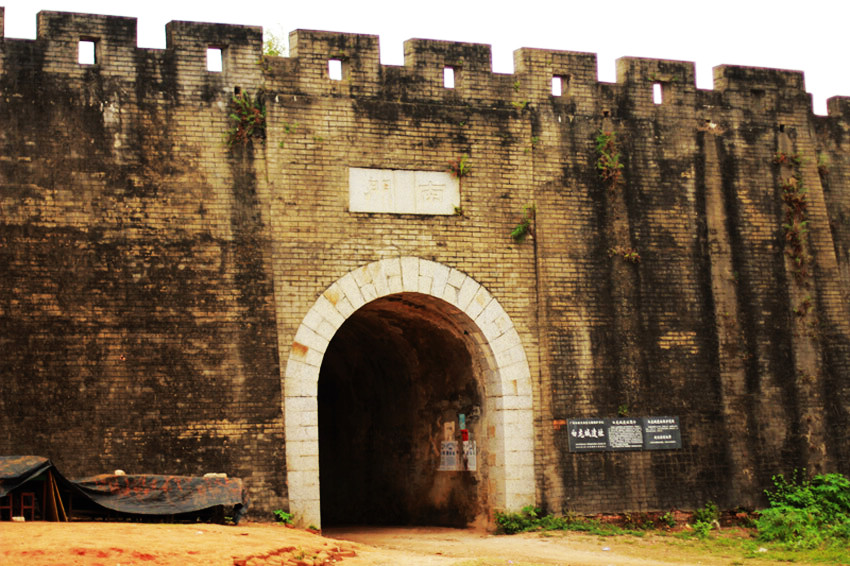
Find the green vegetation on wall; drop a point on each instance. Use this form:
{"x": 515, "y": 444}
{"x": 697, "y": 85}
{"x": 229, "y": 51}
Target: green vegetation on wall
{"x": 247, "y": 116}
{"x": 608, "y": 161}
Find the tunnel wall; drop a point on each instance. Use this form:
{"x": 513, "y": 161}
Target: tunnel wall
{"x": 386, "y": 404}
{"x": 154, "y": 271}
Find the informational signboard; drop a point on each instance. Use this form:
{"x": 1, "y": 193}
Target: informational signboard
{"x": 621, "y": 434}
{"x": 448, "y": 456}
{"x": 625, "y": 434}
{"x": 458, "y": 456}
{"x": 587, "y": 435}
{"x": 661, "y": 433}
{"x": 470, "y": 455}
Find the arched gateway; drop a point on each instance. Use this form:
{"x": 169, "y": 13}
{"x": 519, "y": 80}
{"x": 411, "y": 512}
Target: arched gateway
{"x": 416, "y": 292}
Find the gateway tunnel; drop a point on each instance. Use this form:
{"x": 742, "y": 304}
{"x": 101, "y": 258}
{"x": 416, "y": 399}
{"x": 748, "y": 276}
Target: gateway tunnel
{"x": 399, "y": 387}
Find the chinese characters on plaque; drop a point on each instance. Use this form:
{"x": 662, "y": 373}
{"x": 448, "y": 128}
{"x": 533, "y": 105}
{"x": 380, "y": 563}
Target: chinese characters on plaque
{"x": 645, "y": 433}
{"x": 402, "y": 192}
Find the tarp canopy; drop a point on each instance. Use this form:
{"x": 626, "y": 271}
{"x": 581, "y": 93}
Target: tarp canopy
{"x": 160, "y": 495}
{"x": 18, "y": 470}
{"x": 139, "y": 494}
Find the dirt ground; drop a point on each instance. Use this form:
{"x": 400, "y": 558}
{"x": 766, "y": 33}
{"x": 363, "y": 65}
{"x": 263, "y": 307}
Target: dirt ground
{"x": 254, "y": 544}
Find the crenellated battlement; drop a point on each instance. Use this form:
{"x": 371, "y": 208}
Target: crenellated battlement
{"x": 117, "y": 56}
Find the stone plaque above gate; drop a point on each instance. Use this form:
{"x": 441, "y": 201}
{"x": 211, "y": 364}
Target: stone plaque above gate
{"x": 402, "y": 192}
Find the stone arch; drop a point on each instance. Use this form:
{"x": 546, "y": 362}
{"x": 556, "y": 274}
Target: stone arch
{"x": 508, "y": 389}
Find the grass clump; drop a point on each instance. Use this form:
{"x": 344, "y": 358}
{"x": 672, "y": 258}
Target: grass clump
{"x": 282, "y": 516}
{"x": 532, "y": 519}
{"x": 705, "y": 519}
{"x": 807, "y": 513}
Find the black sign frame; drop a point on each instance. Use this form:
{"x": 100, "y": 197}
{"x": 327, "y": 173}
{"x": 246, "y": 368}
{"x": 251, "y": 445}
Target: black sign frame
{"x": 624, "y": 434}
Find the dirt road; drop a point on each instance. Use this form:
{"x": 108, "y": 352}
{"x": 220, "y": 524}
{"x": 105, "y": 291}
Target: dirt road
{"x": 437, "y": 547}
{"x": 255, "y": 544}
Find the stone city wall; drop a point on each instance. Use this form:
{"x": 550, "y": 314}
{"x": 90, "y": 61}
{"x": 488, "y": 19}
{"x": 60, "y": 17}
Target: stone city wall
{"x": 163, "y": 285}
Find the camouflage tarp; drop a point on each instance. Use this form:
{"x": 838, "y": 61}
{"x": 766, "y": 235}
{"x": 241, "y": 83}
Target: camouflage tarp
{"x": 133, "y": 494}
{"x": 18, "y": 470}
{"x": 160, "y": 495}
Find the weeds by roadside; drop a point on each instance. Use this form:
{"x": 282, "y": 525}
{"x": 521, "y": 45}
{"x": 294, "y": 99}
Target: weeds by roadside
{"x": 282, "y": 516}
{"x": 807, "y": 522}
{"x": 807, "y": 513}
{"x": 532, "y": 519}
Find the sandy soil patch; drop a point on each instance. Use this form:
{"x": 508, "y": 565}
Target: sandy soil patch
{"x": 255, "y": 544}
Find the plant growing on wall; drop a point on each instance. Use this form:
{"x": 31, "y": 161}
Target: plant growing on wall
{"x": 663, "y": 78}
{"x": 795, "y": 226}
{"x": 804, "y": 307}
{"x": 790, "y": 159}
{"x": 628, "y": 254}
{"x": 273, "y": 44}
{"x": 290, "y": 129}
{"x": 823, "y": 165}
{"x": 794, "y": 196}
{"x": 608, "y": 158}
{"x": 460, "y": 167}
{"x": 247, "y": 116}
{"x": 526, "y": 225}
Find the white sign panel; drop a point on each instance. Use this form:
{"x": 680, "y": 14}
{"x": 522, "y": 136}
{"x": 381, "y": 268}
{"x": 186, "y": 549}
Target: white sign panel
{"x": 448, "y": 456}
{"x": 470, "y": 455}
{"x": 402, "y": 192}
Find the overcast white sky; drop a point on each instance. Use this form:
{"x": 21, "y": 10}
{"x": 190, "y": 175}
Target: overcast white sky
{"x": 807, "y": 36}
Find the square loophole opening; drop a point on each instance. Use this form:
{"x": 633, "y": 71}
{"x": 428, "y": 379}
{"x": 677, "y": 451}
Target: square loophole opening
{"x": 335, "y": 69}
{"x": 215, "y": 60}
{"x": 87, "y": 52}
{"x": 560, "y": 85}
{"x": 657, "y": 93}
{"x": 448, "y": 77}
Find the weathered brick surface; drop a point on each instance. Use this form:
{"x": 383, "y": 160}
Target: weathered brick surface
{"x": 137, "y": 308}
{"x": 153, "y": 279}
